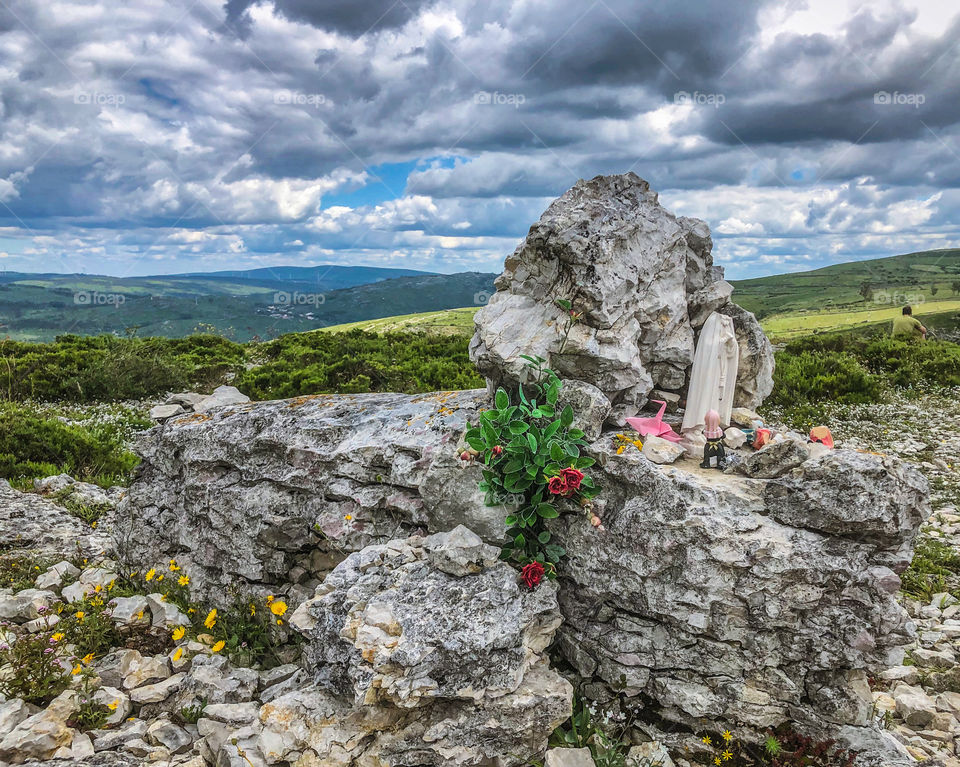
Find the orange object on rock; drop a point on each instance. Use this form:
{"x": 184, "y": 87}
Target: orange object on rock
{"x": 821, "y": 434}
{"x": 763, "y": 438}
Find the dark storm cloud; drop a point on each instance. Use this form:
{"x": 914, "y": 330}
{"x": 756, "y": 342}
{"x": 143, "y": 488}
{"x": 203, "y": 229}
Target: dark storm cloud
{"x": 178, "y": 132}
{"x": 348, "y": 16}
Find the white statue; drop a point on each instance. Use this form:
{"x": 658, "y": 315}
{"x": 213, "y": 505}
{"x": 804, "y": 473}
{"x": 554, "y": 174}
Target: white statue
{"x": 713, "y": 378}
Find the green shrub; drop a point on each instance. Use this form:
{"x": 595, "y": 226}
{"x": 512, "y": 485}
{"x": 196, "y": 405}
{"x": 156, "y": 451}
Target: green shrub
{"x": 357, "y": 361}
{"x": 108, "y": 369}
{"x": 852, "y": 368}
{"x": 827, "y": 375}
{"x": 35, "y": 442}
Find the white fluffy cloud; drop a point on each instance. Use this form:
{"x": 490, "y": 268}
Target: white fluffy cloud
{"x": 139, "y": 136}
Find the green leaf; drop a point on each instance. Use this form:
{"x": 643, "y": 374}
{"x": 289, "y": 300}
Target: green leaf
{"x": 566, "y": 416}
{"x": 533, "y": 442}
{"x": 520, "y": 541}
{"x": 550, "y": 430}
{"x": 490, "y": 436}
{"x": 553, "y": 392}
{"x": 585, "y": 463}
{"x": 555, "y": 552}
{"x": 502, "y": 400}
{"x": 513, "y": 465}
{"x": 510, "y": 521}
{"x": 476, "y": 443}
{"x": 544, "y": 537}
{"x": 547, "y": 411}
{"x": 573, "y": 451}
{"x": 556, "y": 452}
{"x": 575, "y": 434}
{"x": 563, "y": 303}
{"x": 547, "y": 511}
{"x": 519, "y": 427}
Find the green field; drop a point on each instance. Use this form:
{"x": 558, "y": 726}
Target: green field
{"x": 447, "y": 322}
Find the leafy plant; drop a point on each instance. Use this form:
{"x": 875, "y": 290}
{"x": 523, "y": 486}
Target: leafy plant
{"x": 533, "y": 465}
{"x": 88, "y": 626}
{"x": 38, "y": 663}
{"x": 193, "y": 714}
{"x": 74, "y": 503}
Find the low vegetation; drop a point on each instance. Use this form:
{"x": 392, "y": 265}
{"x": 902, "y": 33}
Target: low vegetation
{"x": 850, "y": 368}
{"x": 356, "y": 361}
{"x": 84, "y": 369}
{"x": 89, "y": 444}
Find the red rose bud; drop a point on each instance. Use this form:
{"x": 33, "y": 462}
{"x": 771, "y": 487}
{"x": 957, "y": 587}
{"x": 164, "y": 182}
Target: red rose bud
{"x": 572, "y": 478}
{"x": 465, "y": 455}
{"x": 532, "y": 574}
{"x": 557, "y": 486}
{"x": 595, "y": 520}
{"x": 497, "y": 450}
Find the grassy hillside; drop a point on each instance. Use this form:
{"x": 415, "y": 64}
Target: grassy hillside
{"x": 860, "y": 294}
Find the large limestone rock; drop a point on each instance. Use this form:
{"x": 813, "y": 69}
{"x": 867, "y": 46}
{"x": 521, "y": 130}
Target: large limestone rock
{"x": 424, "y": 661}
{"x": 743, "y": 600}
{"x": 642, "y": 282}
{"x": 738, "y": 599}
{"x": 249, "y": 494}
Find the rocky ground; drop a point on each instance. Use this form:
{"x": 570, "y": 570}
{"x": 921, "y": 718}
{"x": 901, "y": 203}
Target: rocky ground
{"x": 174, "y": 701}
{"x": 919, "y": 701}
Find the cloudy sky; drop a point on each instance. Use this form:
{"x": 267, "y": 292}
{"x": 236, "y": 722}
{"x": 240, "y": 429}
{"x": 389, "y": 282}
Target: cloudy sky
{"x": 161, "y": 136}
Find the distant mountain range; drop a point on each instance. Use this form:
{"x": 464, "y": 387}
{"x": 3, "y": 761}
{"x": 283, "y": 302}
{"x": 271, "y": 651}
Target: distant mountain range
{"x": 267, "y": 302}
{"x": 242, "y": 305}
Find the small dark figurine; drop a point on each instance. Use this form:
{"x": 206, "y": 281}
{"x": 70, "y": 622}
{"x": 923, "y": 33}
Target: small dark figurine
{"x": 714, "y": 456}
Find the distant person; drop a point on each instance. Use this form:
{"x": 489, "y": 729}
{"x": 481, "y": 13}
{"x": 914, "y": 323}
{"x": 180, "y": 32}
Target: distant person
{"x": 908, "y": 327}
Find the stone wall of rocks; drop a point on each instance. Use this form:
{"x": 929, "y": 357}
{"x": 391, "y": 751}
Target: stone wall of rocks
{"x": 710, "y": 595}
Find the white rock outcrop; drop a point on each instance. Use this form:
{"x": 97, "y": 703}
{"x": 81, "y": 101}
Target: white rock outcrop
{"x": 641, "y": 281}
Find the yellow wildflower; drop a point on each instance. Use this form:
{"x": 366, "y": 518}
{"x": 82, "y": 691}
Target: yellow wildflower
{"x": 178, "y": 633}
{"x": 278, "y": 608}
{"x": 93, "y": 524}
{"x": 727, "y": 755}
{"x": 76, "y": 670}
{"x": 269, "y": 599}
{"x": 159, "y": 577}
{"x": 716, "y": 761}
{"x": 253, "y": 609}
{"x": 218, "y": 646}
{"x": 87, "y": 659}
{"x": 348, "y": 517}
{"x": 621, "y": 449}
{"x": 183, "y": 580}
{"x": 57, "y": 637}
{"x": 177, "y": 654}
{"x": 279, "y": 622}
{"x": 174, "y": 566}
{"x": 706, "y": 740}
{"x": 211, "y": 620}
{"x": 140, "y": 615}
{"x": 113, "y": 706}
{"x": 79, "y": 615}
{"x": 110, "y": 585}
{"x": 727, "y": 735}
{"x": 150, "y": 573}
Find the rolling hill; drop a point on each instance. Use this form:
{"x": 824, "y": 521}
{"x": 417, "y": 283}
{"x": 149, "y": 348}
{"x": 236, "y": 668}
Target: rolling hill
{"x": 39, "y": 307}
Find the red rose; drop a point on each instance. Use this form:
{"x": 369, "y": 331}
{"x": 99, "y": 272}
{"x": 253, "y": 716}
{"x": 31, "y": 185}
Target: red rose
{"x": 572, "y": 477}
{"x": 557, "y": 485}
{"x": 532, "y": 574}
{"x": 497, "y": 449}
